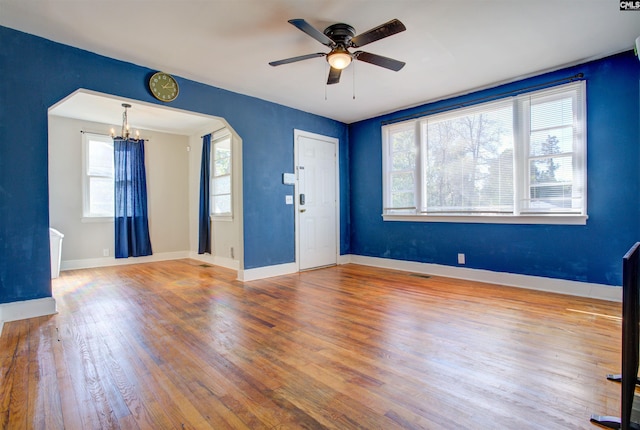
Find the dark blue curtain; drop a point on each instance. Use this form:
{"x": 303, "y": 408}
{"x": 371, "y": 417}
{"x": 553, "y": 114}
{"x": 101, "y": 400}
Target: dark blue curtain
{"x": 204, "y": 233}
{"x": 131, "y": 221}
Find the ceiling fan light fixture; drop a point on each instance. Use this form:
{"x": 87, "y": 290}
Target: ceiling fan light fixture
{"x": 339, "y": 38}
{"x": 339, "y": 58}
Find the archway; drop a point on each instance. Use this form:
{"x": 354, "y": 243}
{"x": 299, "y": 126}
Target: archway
{"x": 173, "y": 155}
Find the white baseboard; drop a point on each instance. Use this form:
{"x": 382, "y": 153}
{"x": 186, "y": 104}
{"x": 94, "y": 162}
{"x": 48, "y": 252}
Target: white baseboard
{"x": 267, "y": 272}
{"x": 216, "y": 260}
{"x": 561, "y": 286}
{"x": 26, "y": 309}
{"x": 88, "y": 263}
{"x": 279, "y": 270}
{"x": 344, "y": 259}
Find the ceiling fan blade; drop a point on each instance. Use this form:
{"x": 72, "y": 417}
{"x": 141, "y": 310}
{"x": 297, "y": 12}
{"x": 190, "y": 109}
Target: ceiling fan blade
{"x": 334, "y": 76}
{"x": 379, "y": 60}
{"x": 380, "y": 32}
{"x": 303, "y": 25}
{"x": 294, "y": 59}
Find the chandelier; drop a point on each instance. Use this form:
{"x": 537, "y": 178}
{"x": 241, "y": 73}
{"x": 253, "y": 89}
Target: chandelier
{"x": 124, "y": 132}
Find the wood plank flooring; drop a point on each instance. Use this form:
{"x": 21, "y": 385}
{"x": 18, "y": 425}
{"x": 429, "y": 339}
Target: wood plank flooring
{"x": 179, "y": 345}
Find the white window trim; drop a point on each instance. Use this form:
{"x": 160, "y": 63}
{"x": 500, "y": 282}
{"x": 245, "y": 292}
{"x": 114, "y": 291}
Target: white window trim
{"x": 560, "y": 219}
{"x": 87, "y": 217}
{"x": 521, "y": 150}
{"x": 92, "y": 219}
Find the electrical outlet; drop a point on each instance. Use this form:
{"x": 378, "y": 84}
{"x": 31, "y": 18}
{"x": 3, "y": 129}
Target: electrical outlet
{"x": 105, "y": 252}
{"x": 461, "y": 259}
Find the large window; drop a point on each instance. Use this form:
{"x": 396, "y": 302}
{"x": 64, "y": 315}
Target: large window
{"x": 520, "y": 159}
{"x": 221, "y": 186}
{"x": 98, "y": 185}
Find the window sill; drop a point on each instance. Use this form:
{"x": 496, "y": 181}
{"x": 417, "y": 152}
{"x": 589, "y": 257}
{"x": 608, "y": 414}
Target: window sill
{"x": 92, "y": 219}
{"x": 492, "y": 219}
{"x": 225, "y": 218}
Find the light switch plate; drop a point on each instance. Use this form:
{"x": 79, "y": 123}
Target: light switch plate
{"x": 288, "y": 178}
{"x": 288, "y": 199}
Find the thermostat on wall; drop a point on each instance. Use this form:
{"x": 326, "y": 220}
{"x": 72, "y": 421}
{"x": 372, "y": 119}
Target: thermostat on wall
{"x": 288, "y": 178}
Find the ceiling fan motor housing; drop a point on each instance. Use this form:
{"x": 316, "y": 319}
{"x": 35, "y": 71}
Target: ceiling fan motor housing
{"x": 340, "y": 33}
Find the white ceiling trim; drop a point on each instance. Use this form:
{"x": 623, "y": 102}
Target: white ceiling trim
{"x": 102, "y": 108}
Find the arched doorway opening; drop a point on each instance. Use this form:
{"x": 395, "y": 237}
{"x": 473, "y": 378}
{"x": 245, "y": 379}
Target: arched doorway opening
{"x": 172, "y": 157}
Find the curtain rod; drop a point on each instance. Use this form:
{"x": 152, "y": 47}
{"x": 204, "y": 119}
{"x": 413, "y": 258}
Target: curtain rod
{"x": 576, "y": 77}
{"x": 215, "y": 131}
{"x": 94, "y": 132}
{"x": 105, "y": 134}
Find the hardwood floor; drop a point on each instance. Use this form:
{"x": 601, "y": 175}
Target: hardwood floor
{"x": 175, "y": 345}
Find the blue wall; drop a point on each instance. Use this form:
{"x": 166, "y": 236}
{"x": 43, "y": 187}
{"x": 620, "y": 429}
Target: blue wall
{"x": 37, "y": 73}
{"x": 590, "y": 253}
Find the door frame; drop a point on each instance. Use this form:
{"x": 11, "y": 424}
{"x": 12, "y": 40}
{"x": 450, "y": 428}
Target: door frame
{"x": 296, "y": 198}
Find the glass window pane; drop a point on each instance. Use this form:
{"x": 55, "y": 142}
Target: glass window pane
{"x": 549, "y": 142}
{"x": 221, "y": 204}
{"x": 402, "y": 181}
{"x": 469, "y": 161}
{"x": 402, "y": 141}
{"x": 403, "y": 160}
{"x": 403, "y": 150}
{"x": 553, "y": 182}
{"x": 100, "y": 158}
{"x": 554, "y": 113}
{"x": 221, "y": 152}
{"x": 551, "y": 197}
{"x": 221, "y": 166}
{"x": 222, "y": 185}
{"x": 402, "y": 200}
{"x": 552, "y": 169}
{"x": 101, "y": 196}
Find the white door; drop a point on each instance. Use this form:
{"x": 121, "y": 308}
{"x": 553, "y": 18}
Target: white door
{"x": 316, "y": 200}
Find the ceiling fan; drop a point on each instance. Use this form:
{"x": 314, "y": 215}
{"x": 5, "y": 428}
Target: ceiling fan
{"x": 341, "y": 37}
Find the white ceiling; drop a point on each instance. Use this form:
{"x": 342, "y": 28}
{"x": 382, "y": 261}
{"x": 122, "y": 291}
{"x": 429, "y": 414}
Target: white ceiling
{"x": 450, "y": 46}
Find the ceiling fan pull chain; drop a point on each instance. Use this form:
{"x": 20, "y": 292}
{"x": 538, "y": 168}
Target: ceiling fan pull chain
{"x": 324, "y": 83}
{"x": 354, "y": 81}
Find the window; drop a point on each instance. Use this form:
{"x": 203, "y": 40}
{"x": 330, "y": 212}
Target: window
{"x": 98, "y": 176}
{"x": 221, "y": 162}
{"x": 519, "y": 159}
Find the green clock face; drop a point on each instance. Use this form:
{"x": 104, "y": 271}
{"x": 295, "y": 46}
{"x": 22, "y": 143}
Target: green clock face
{"x": 163, "y": 87}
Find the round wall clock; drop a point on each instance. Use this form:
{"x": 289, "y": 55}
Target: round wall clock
{"x": 163, "y": 87}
